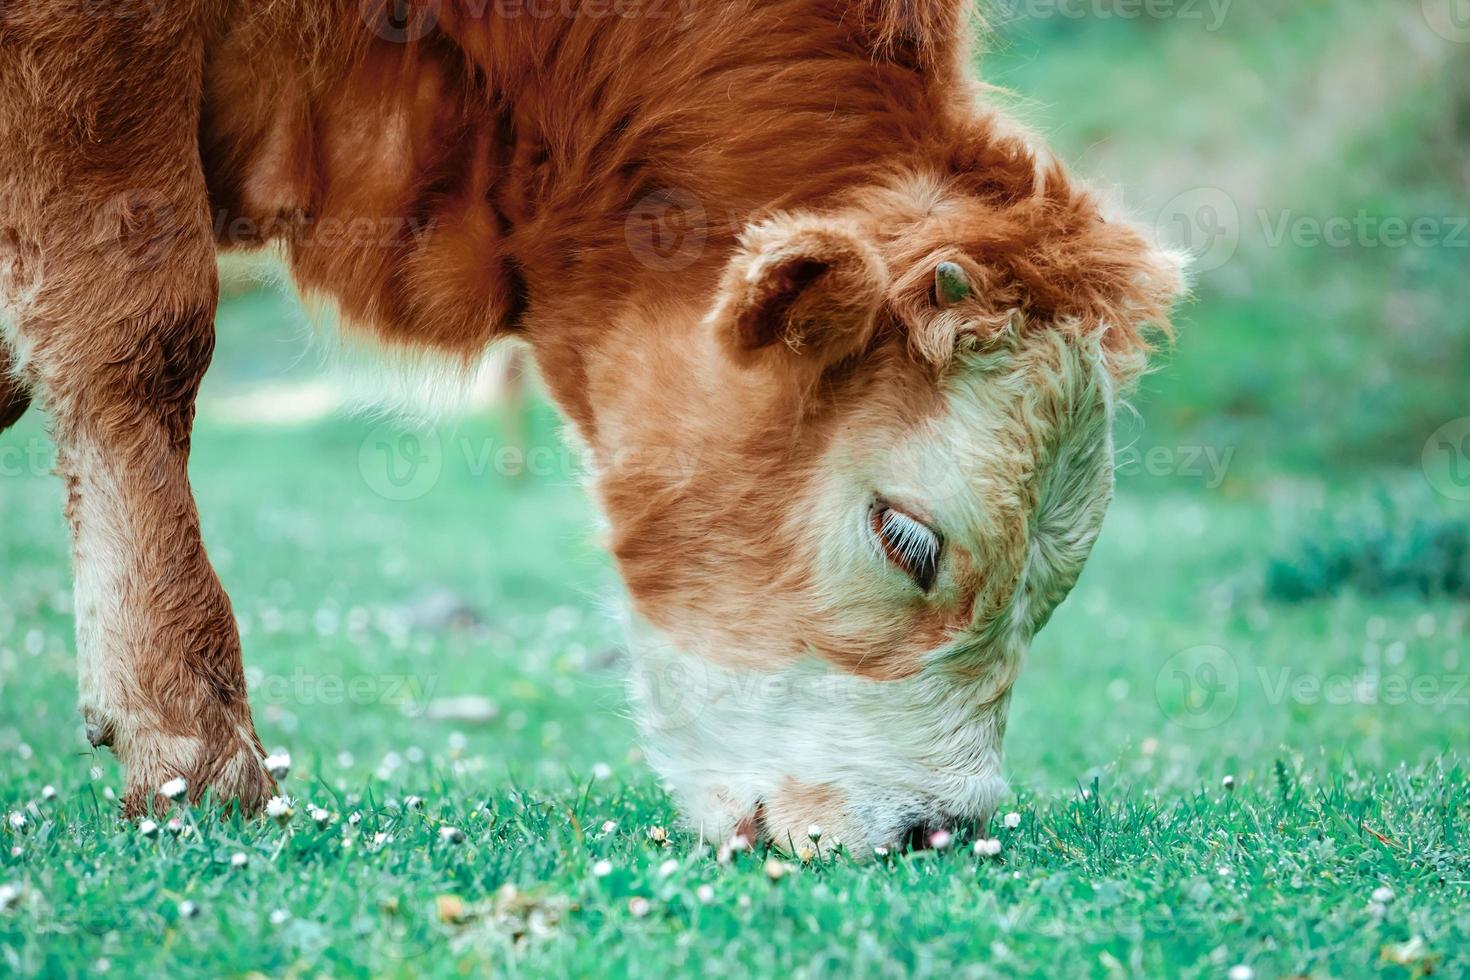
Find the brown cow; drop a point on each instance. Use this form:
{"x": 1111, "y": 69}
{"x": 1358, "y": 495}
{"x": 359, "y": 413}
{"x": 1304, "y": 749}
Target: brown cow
{"x": 844, "y": 342}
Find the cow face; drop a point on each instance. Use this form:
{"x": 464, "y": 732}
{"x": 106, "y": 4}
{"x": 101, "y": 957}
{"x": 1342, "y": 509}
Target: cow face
{"x": 886, "y": 453}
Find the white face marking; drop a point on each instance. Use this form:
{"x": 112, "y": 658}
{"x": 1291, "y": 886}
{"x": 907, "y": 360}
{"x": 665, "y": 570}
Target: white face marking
{"x": 1017, "y": 470}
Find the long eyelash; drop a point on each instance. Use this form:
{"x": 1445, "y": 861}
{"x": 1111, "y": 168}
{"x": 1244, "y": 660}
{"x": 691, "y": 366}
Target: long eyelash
{"x": 914, "y": 547}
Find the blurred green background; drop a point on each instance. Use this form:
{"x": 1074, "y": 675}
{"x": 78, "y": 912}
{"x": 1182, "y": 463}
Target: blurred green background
{"x": 1280, "y": 593}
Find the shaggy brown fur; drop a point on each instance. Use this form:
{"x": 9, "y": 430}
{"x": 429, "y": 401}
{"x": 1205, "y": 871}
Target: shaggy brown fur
{"x": 490, "y": 170}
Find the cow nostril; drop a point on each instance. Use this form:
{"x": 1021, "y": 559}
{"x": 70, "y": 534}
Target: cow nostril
{"x": 916, "y": 838}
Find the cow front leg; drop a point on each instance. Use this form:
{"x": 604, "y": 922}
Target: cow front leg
{"x": 159, "y": 666}
{"x": 109, "y": 290}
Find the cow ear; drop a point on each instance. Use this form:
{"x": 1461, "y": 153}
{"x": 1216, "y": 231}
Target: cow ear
{"x": 803, "y": 287}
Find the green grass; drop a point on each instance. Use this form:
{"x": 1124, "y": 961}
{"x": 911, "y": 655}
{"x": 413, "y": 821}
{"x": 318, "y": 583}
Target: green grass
{"x": 1166, "y": 671}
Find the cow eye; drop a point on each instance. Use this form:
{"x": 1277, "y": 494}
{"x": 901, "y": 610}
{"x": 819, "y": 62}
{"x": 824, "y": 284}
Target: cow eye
{"x": 908, "y": 543}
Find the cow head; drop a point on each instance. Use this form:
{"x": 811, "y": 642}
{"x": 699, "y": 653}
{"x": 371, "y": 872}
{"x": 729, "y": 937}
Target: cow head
{"x": 850, "y": 480}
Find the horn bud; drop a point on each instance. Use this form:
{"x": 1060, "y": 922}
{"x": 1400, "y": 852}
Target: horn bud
{"x": 951, "y": 285}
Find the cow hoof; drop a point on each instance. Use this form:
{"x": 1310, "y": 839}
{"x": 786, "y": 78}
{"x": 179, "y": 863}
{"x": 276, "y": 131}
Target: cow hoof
{"x": 230, "y": 770}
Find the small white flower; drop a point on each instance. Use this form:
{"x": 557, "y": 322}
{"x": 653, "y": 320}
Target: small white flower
{"x": 987, "y": 847}
{"x": 639, "y": 906}
{"x": 413, "y": 802}
{"x": 1241, "y": 971}
{"x": 108, "y": 794}
{"x": 16, "y": 851}
{"x": 668, "y": 868}
{"x": 278, "y": 765}
{"x": 814, "y": 833}
{"x": 1383, "y": 895}
{"x": 320, "y": 817}
{"x": 17, "y": 820}
{"x": 705, "y": 894}
{"x": 609, "y": 827}
{"x": 175, "y": 788}
{"x": 188, "y": 909}
{"x": 1012, "y": 821}
{"x": 658, "y": 835}
{"x": 239, "y": 859}
{"x": 775, "y": 870}
{"x": 354, "y": 818}
{"x": 451, "y": 835}
{"x": 940, "y": 839}
{"x": 602, "y": 771}
{"x": 279, "y": 809}
{"x": 280, "y": 917}
{"x": 48, "y": 792}
{"x": 95, "y": 772}
{"x": 9, "y": 894}
{"x": 881, "y": 851}
{"x": 805, "y": 854}
{"x": 381, "y": 838}
{"x": 1228, "y": 782}
{"x": 602, "y": 868}
{"x": 175, "y": 826}
{"x": 148, "y": 828}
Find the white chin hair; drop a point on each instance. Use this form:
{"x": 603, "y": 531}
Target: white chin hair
{"x": 898, "y": 753}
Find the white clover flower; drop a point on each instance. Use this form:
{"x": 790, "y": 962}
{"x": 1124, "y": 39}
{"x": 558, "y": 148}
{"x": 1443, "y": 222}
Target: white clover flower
{"x": 175, "y": 826}
{"x": 279, "y": 917}
{"x": 413, "y": 802}
{"x": 9, "y": 894}
{"x": 987, "y": 847}
{"x": 602, "y": 868}
{"x": 639, "y": 906}
{"x": 451, "y": 835}
{"x": 239, "y": 859}
{"x": 881, "y": 851}
{"x": 354, "y": 818}
{"x": 1012, "y": 820}
{"x": 776, "y": 870}
{"x": 148, "y": 828}
{"x": 1228, "y": 782}
{"x": 381, "y": 838}
{"x": 175, "y": 789}
{"x": 609, "y": 827}
{"x": 17, "y": 820}
{"x": 940, "y": 839}
{"x": 279, "y": 809}
{"x": 814, "y": 833}
{"x": 1383, "y": 895}
{"x": 705, "y": 894}
{"x": 322, "y": 818}
{"x": 601, "y": 770}
{"x": 48, "y": 792}
{"x": 188, "y": 909}
{"x": 278, "y": 765}
{"x": 668, "y": 868}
